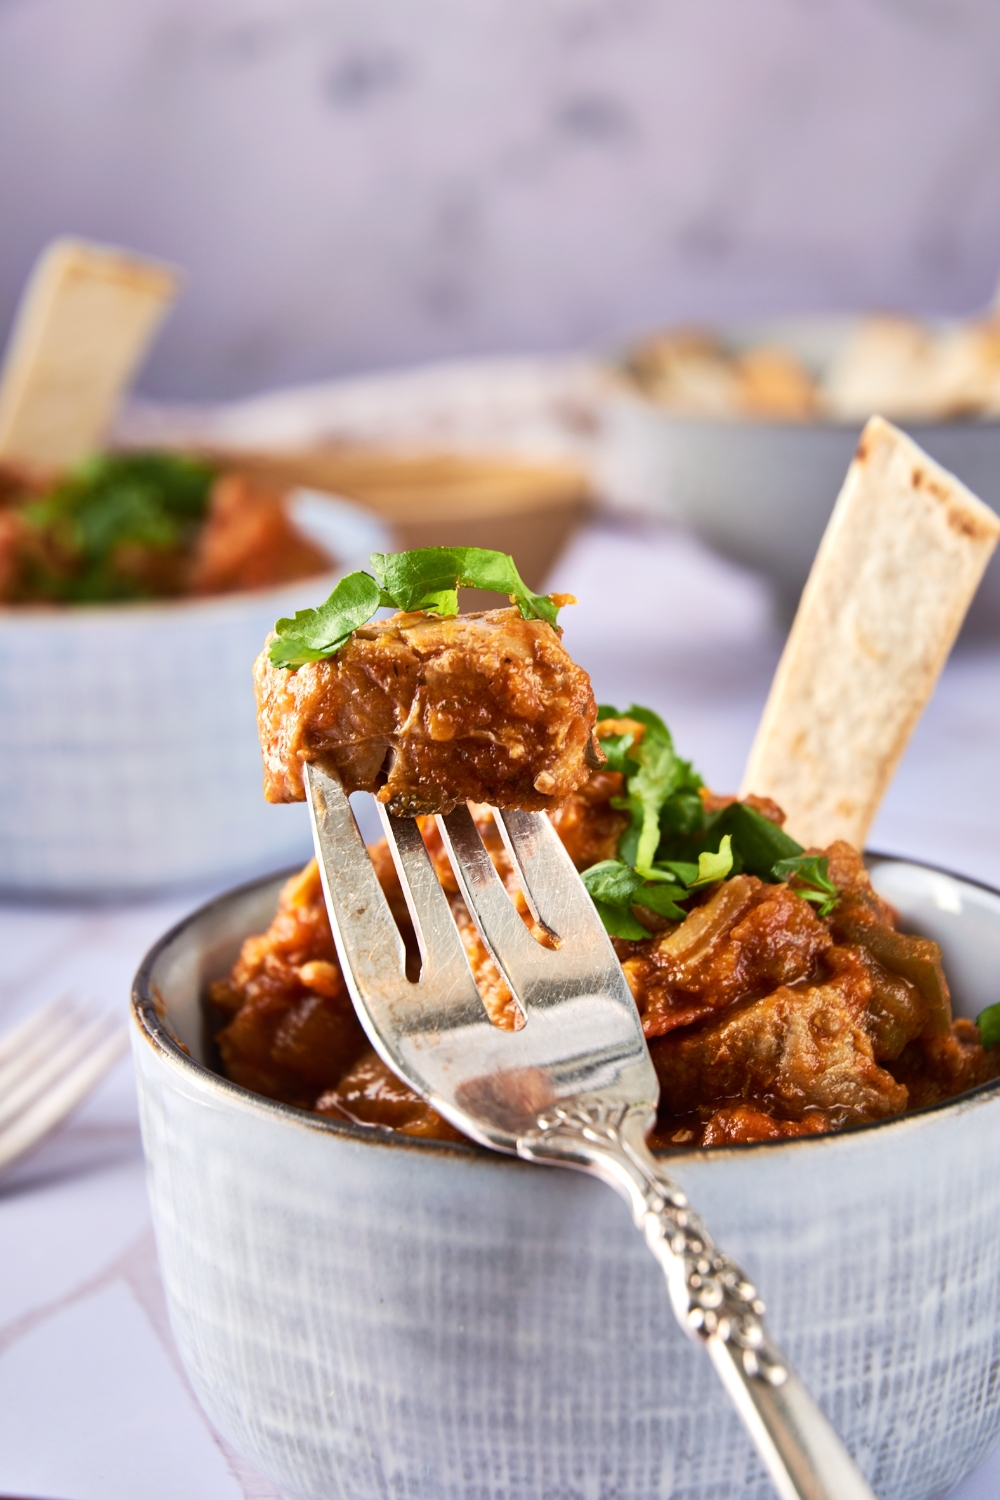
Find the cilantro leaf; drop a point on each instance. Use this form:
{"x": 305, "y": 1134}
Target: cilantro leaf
{"x": 757, "y": 842}
{"x": 659, "y": 780}
{"x": 714, "y": 867}
{"x": 663, "y": 900}
{"x": 612, "y": 886}
{"x": 426, "y": 578}
{"x": 312, "y": 634}
{"x": 615, "y": 888}
{"x": 812, "y": 874}
{"x": 679, "y": 869}
{"x": 613, "y": 882}
{"x": 616, "y": 748}
{"x": 153, "y": 501}
{"x": 988, "y": 1021}
{"x": 620, "y": 923}
{"x": 430, "y": 577}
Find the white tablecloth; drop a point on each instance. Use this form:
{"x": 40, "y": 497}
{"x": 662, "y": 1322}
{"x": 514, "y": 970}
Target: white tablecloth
{"x": 93, "y": 1401}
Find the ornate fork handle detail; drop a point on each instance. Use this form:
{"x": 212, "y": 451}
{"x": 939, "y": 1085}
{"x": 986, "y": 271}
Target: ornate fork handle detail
{"x": 713, "y": 1300}
{"x": 709, "y": 1292}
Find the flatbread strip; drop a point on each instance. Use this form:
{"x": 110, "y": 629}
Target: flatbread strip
{"x": 87, "y": 317}
{"x": 895, "y": 573}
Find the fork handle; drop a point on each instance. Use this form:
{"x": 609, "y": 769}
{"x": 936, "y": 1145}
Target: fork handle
{"x": 713, "y": 1301}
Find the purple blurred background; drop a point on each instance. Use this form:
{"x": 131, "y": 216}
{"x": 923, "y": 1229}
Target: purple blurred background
{"x": 357, "y": 184}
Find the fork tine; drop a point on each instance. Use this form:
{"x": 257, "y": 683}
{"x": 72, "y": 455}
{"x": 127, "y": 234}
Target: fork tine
{"x": 539, "y": 977}
{"x": 20, "y": 1035}
{"x": 441, "y": 949}
{"x": 39, "y": 1074}
{"x": 49, "y": 1110}
{"x": 518, "y": 956}
{"x": 368, "y": 940}
{"x": 551, "y": 883}
{"x": 35, "y": 1038}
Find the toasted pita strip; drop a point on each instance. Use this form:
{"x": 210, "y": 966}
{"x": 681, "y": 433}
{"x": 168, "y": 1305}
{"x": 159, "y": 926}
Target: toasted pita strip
{"x": 87, "y": 316}
{"x": 895, "y": 572}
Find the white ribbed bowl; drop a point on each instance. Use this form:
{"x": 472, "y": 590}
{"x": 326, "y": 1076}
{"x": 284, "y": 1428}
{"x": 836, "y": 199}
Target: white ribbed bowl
{"x": 128, "y": 746}
{"x": 366, "y": 1316}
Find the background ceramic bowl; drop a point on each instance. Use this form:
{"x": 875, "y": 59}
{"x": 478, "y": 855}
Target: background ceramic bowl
{"x": 761, "y": 492}
{"x": 128, "y": 744}
{"x": 364, "y": 1315}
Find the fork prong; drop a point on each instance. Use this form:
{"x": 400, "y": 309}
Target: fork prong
{"x": 25, "y": 1031}
{"x": 371, "y": 950}
{"x": 550, "y": 880}
{"x": 33, "y": 1040}
{"x": 518, "y": 956}
{"x": 368, "y": 940}
{"x": 538, "y": 977}
{"x": 52, "y": 1107}
{"x": 40, "y": 1072}
{"x": 441, "y": 951}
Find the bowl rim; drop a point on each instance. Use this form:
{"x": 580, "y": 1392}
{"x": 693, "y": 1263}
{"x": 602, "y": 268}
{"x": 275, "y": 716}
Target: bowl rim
{"x": 149, "y": 1024}
{"x": 127, "y": 610}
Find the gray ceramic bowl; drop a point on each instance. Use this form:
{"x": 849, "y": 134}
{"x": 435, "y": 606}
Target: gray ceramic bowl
{"x": 128, "y": 744}
{"x": 761, "y": 492}
{"x": 366, "y": 1316}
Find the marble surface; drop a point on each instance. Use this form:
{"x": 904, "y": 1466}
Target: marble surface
{"x": 93, "y": 1403}
{"x": 352, "y": 186}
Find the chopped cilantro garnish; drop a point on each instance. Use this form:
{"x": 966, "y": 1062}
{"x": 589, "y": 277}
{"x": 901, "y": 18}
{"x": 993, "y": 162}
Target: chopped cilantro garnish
{"x": 658, "y": 785}
{"x": 757, "y": 842}
{"x": 151, "y": 500}
{"x": 811, "y": 873}
{"x": 714, "y": 867}
{"x": 312, "y": 634}
{"x": 988, "y": 1021}
{"x": 673, "y": 847}
{"x": 428, "y": 578}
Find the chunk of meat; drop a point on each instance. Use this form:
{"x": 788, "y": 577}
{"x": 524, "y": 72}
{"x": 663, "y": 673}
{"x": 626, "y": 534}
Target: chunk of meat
{"x": 248, "y": 541}
{"x": 371, "y": 1094}
{"x": 794, "y": 1050}
{"x": 747, "y": 938}
{"x": 934, "y": 1068}
{"x": 291, "y": 1028}
{"x": 736, "y": 1124}
{"x": 483, "y": 708}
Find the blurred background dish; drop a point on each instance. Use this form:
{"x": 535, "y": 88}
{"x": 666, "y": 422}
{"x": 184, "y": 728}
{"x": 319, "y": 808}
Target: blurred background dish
{"x": 745, "y": 435}
{"x": 128, "y": 742}
{"x": 505, "y": 453}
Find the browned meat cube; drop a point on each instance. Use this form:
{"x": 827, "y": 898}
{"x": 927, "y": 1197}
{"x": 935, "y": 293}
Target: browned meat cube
{"x": 483, "y": 708}
{"x": 746, "y": 939}
{"x": 798, "y": 1049}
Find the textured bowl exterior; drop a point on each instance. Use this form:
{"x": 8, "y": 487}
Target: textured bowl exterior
{"x": 364, "y": 1316}
{"x": 128, "y": 745}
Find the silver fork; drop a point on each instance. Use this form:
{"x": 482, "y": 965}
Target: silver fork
{"x": 48, "y": 1065}
{"x": 573, "y": 1087}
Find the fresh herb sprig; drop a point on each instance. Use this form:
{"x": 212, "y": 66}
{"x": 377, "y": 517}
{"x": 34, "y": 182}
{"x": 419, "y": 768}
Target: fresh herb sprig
{"x": 811, "y": 873}
{"x": 615, "y": 888}
{"x": 155, "y": 501}
{"x": 427, "y": 578}
{"x": 658, "y": 784}
{"x": 674, "y": 847}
